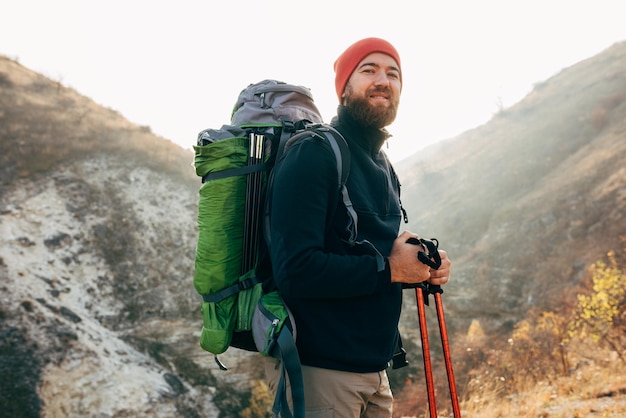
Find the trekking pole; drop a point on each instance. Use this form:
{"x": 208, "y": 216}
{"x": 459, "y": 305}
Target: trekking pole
{"x": 443, "y": 330}
{"x": 430, "y": 256}
{"x": 420, "y": 292}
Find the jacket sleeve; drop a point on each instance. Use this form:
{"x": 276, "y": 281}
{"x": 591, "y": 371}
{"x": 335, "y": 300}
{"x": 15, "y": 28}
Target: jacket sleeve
{"x": 304, "y": 196}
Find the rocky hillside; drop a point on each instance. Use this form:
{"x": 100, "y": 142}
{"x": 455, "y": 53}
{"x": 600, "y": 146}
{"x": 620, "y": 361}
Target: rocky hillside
{"x": 98, "y": 316}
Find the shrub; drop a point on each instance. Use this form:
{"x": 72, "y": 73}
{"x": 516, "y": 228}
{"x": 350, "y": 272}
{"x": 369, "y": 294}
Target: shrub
{"x": 601, "y": 313}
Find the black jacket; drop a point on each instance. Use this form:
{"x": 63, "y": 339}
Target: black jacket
{"x": 346, "y": 309}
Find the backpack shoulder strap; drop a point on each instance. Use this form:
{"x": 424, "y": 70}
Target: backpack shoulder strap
{"x": 341, "y": 150}
{"x": 342, "y": 155}
{"x": 291, "y": 370}
{"x": 339, "y": 147}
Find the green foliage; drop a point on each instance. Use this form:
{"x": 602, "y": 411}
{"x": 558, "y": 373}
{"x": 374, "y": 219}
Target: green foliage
{"x": 601, "y": 314}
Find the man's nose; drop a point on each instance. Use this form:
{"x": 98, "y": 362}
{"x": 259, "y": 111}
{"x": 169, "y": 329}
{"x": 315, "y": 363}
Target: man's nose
{"x": 381, "y": 79}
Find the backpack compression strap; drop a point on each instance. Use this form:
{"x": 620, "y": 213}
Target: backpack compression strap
{"x": 287, "y": 129}
{"x": 238, "y": 171}
{"x": 222, "y": 294}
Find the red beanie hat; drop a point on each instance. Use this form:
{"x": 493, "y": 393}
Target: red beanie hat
{"x": 347, "y": 62}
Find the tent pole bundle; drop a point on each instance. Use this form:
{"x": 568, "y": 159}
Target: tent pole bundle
{"x": 254, "y": 184}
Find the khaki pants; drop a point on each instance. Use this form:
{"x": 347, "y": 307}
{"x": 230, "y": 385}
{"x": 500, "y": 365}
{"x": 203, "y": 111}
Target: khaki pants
{"x": 337, "y": 394}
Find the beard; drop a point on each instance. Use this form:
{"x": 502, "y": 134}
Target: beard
{"x": 368, "y": 114}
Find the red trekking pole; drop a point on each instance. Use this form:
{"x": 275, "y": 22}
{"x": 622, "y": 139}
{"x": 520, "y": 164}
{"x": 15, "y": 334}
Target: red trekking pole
{"x": 443, "y": 331}
{"x": 422, "y": 290}
{"x": 428, "y": 369}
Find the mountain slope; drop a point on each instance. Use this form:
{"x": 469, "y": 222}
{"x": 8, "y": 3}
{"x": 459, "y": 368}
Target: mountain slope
{"x": 526, "y": 201}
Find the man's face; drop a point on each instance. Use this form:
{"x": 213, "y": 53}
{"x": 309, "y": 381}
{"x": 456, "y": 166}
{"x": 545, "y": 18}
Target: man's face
{"x": 372, "y": 93}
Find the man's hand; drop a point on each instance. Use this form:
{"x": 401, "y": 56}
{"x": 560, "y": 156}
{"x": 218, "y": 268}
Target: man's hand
{"x": 442, "y": 274}
{"x": 407, "y": 268}
{"x": 403, "y": 262}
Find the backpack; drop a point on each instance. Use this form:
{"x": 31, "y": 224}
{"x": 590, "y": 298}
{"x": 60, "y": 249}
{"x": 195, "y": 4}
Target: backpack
{"x": 232, "y": 270}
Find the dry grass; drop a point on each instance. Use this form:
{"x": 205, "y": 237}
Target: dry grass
{"x": 597, "y": 389}
{"x": 592, "y": 391}
{"x": 498, "y": 377}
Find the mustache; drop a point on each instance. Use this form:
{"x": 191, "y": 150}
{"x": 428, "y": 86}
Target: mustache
{"x": 380, "y": 89}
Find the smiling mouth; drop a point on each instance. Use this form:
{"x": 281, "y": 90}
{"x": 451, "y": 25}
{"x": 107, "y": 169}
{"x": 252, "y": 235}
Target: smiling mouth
{"x": 379, "y": 100}
{"x": 380, "y": 95}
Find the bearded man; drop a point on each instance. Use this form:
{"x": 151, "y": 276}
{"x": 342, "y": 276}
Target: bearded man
{"x": 346, "y": 295}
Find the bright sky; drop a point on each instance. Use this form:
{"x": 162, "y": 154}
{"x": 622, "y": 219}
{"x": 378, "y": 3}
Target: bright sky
{"x": 178, "y": 66}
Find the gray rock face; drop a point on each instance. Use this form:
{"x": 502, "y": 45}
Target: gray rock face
{"x": 98, "y": 313}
